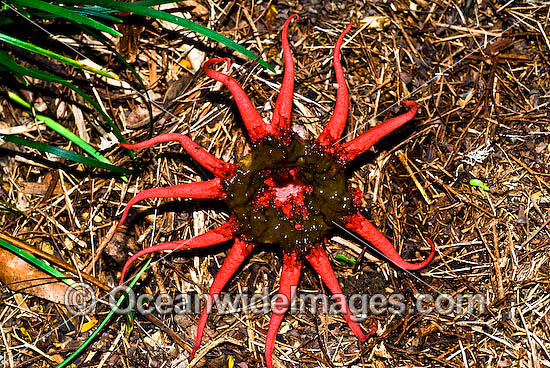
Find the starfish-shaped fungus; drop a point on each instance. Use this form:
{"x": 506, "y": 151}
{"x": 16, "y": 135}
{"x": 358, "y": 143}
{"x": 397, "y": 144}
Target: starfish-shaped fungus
{"x": 286, "y": 191}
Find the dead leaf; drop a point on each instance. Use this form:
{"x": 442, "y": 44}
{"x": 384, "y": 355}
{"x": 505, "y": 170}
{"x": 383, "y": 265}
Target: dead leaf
{"x": 376, "y": 22}
{"x": 196, "y": 9}
{"x": 80, "y": 123}
{"x": 177, "y": 87}
{"x": 19, "y": 275}
{"x": 271, "y": 15}
{"x": 139, "y": 117}
{"x": 194, "y": 58}
{"x": 88, "y": 325}
{"x": 498, "y": 46}
{"x": 33, "y": 188}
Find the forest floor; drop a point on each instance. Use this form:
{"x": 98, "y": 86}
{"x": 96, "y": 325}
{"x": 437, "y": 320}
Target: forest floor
{"x": 479, "y": 71}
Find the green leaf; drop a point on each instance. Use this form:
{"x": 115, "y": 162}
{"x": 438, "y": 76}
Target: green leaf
{"x": 68, "y": 14}
{"x": 104, "y": 322}
{"x": 52, "y": 55}
{"x": 98, "y": 12}
{"x": 11, "y": 207}
{"x": 345, "y": 260}
{"x": 153, "y": 2}
{"x": 19, "y": 8}
{"x": 157, "y": 14}
{"x": 36, "y": 262}
{"x": 60, "y": 129}
{"x": 65, "y": 154}
{"x": 9, "y": 63}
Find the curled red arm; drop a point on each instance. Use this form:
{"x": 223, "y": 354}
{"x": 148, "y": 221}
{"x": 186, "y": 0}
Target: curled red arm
{"x": 201, "y": 190}
{"x": 354, "y": 148}
{"x": 360, "y": 225}
{"x": 236, "y": 257}
{"x": 290, "y": 275}
{"x": 215, "y": 236}
{"x": 213, "y": 164}
{"x": 257, "y": 128}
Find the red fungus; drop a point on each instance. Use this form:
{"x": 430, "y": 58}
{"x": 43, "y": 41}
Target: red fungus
{"x": 218, "y": 167}
{"x": 203, "y": 190}
{"x": 363, "y": 227}
{"x": 286, "y": 191}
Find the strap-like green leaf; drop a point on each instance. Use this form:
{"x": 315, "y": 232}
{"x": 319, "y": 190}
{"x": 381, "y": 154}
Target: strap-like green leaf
{"x": 52, "y": 55}
{"x": 68, "y": 14}
{"x": 98, "y": 12}
{"x": 36, "y": 262}
{"x": 139, "y": 9}
{"x": 60, "y": 129}
{"x": 20, "y": 8}
{"x": 104, "y": 322}
{"x": 8, "y": 62}
{"x": 65, "y": 154}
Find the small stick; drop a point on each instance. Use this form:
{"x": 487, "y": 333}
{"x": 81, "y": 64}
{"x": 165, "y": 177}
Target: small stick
{"x": 102, "y": 246}
{"x": 500, "y": 285}
{"x": 403, "y": 160}
{"x": 254, "y": 29}
{"x": 534, "y": 233}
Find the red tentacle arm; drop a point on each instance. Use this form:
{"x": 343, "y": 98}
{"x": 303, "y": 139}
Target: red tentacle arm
{"x": 215, "y": 236}
{"x": 201, "y": 190}
{"x": 257, "y": 128}
{"x": 354, "y": 148}
{"x": 337, "y": 122}
{"x": 238, "y": 253}
{"x": 283, "y": 106}
{"x": 320, "y": 262}
{"x": 359, "y": 224}
{"x": 213, "y": 164}
{"x": 290, "y": 275}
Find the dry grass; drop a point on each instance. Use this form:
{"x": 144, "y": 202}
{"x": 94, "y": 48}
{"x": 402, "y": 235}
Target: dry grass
{"x": 480, "y": 74}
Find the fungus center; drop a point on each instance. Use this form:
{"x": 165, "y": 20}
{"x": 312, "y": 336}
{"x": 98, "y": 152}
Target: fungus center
{"x": 288, "y": 194}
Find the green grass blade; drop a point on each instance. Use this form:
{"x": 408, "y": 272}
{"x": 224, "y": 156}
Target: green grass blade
{"x": 19, "y": 7}
{"x": 152, "y": 2}
{"x": 87, "y": 12}
{"x": 104, "y": 322}
{"x": 12, "y": 208}
{"x": 60, "y": 129}
{"x": 8, "y": 62}
{"x": 157, "y": 14}
{"x": 52, "y": 55}
{"x": 65, "y": 154}
{"x": 36, "y": 262}
{"x": 99, "y": 12}
{"x": 68, "y": 14}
